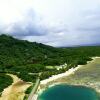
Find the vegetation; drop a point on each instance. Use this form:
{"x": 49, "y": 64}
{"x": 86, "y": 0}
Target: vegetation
{"x": 28, "y": 91}
{"x": 28, "y": 59}
{"x": 5, "y": 81}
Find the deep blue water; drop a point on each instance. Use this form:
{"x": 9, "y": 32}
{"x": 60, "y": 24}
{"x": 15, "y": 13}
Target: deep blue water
{"x": 67, "y": 92}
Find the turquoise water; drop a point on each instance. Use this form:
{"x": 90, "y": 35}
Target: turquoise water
{"x": 66, "y": 92}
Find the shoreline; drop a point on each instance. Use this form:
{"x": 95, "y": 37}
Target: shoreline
{"x": 55, "y": 77}
{"x": 67, "y": 73}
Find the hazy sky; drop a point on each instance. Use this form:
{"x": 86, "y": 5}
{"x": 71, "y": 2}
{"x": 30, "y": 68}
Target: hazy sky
{"x": 52, "y": 22}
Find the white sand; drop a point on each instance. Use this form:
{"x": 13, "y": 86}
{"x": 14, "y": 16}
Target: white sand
{"x": 16, "y": 90}
{"x": 54, "y": 77}
{"x": 14, "y": 77}
{"x": 67, "y": 73}
{"x": 95, "y": 58}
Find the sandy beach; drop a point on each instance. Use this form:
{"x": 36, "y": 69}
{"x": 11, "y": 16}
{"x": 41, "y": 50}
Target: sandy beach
{"x": 54, "y": 77}
{"x": 18, "y": 87}
{"x": 57, "y": 79}
{"x": 67, "y": 73}
{"x": 16, "y": 91}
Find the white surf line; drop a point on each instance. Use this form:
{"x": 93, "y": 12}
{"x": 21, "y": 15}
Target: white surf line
{"x": 54, "y": 77}
{"x": 67, "y": 73}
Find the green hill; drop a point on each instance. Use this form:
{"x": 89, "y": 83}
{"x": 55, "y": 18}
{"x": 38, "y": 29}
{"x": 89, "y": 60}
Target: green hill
{"x": 24, "y": 57}
{"x": 28, "y": 59}
{"x": 20, "y": 52}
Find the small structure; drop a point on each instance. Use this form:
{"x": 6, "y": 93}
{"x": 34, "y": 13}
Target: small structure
{"x": 61, "y": 66}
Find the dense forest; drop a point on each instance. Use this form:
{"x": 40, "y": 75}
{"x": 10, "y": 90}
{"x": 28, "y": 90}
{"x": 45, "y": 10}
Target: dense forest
{"x": 27, "y": 59}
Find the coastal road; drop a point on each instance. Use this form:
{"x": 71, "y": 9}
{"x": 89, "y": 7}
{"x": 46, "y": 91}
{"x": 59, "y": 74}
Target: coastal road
{"x": 32, "y": 95}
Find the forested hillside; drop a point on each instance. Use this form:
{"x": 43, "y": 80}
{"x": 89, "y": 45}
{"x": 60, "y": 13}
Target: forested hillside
{"x": 18, "y": 52}
{"x": 28, "y": 59}
{"x": 18, "y": 56}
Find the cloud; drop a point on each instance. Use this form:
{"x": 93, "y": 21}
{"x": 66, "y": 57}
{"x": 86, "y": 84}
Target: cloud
{"x": 28, "y": 26}
{"x": 52, "y": 22}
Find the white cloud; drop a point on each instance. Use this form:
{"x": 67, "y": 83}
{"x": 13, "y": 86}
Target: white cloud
{"x": 53, "y": 22}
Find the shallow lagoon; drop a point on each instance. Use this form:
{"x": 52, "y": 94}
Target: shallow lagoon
{"x": 88, "y": 75}
{"x": 68, "y": 92}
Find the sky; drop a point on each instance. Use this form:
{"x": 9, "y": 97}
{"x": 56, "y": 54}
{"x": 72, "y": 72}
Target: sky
{"x": 52, "y": 22}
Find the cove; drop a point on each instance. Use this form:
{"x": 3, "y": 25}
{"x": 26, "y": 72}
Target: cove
{"x": 68, "y": 92}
